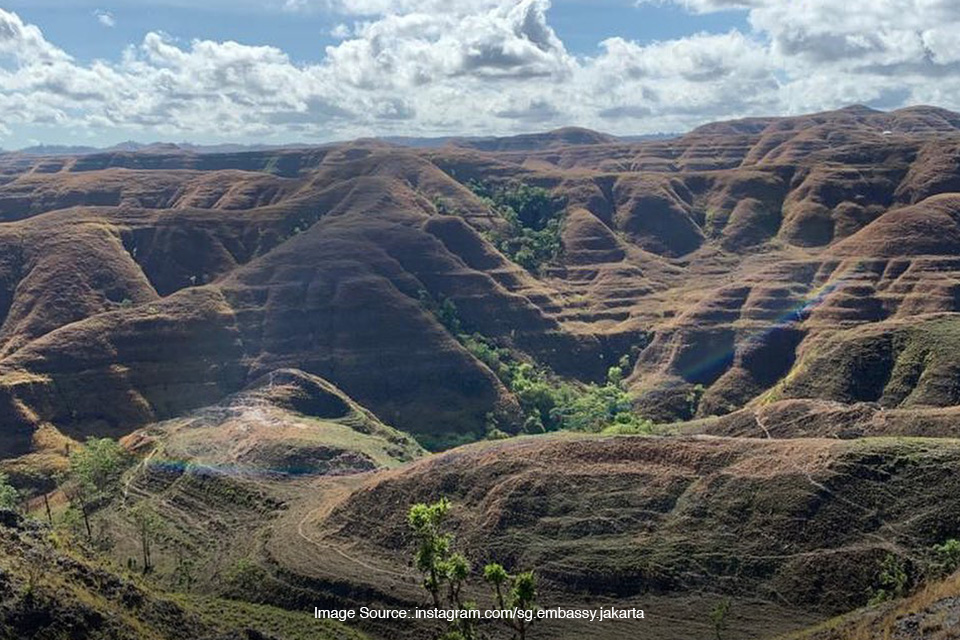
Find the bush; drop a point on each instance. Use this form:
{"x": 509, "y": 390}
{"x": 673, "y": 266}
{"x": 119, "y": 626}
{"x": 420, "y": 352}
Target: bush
{"x": 948, "y": 556}
{"x": 632, "y": 426}
{"x": 892, "y": 580}
{"x": 9, "y": 496}
{"x": 444, "y": 310}
{"x": 547, "y": 403}
{"x": 246, "y": 579}
{"x": 719, "y": 616}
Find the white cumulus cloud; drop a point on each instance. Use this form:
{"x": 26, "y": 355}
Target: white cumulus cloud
{"x": 424, "y": 67}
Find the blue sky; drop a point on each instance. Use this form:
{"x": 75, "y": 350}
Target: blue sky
{"x": 102, "y": 71}
{"x": 580, "y": 24}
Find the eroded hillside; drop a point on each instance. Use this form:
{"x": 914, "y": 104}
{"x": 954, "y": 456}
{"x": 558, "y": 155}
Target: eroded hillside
{"x": 733, "y": 263}
{"x": 272, "y": 333}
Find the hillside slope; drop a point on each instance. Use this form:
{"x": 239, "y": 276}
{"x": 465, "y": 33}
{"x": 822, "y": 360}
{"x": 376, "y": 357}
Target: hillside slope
{"x": 793, "y": 531}
{"x": 723, "y": 261}
{"x": 52, "y": 591}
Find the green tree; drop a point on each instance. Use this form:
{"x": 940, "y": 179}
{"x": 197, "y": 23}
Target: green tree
{"x": 497, "y": 577}
{"x": 533, "y": 218}
{"x": 444, "y": 571}
{"x": 185, "y": 571}
{"x": 607, "y": 408}
{"x": 99, "y": 464}
{"x": 523, "y": 597}
{"x": 444, "y": 310}
{"x": 513, "y": 592}
{"x": 149, "y": 524}
{"x": 549, "y": 404}
{"x": 9, "y": 496}
{"x": 95, "y": 471}
{"x": 433, "y": 546}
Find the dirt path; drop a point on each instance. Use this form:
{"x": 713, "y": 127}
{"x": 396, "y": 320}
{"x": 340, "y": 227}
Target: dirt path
{"x": 136, "y": 472}
{"x": 334, "y": 496}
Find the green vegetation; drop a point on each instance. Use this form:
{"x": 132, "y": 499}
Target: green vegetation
{"x": 449, "y": 440}
{"x": 513, "y": 592}
{"x": 446, "y": 572}
{"x": 892, "y": 581}
{"x": 95, "y": 471}
{"x": 534, "y": 220}
{"x": 98, "y": 465}
{"x": 246, "y": 578}
{"x": 694, "y": 396}
{"x": 149, "y": 524}
{"x": 719, "y": 616}
{"x": 263, "y": 621}
{"x": 444, "y": 310}
{"x": 550, "y": 404}
{"x": 55, "y": 590}
{"x": 443, "y": 207}
{"x": 9, "y": 496}
{"x": 547, "y": 402}
{"x": 947, "y": 557}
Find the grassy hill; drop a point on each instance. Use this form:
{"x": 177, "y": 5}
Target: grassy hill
{"x": 277, "y": 336}
{"x": 52, "y": 589}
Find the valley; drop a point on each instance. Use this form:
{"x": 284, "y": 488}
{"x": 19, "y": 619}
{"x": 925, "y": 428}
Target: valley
{"x": 663, "y": 374}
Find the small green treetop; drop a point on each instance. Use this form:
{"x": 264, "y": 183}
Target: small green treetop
{"x": 98, "y": 464}
{"x": 9, "y": 496}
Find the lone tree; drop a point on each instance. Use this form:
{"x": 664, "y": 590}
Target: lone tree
{"x": 445, "y": 573}
{"x": 95, "y": 470}
{"x": 513, "y": 592}
{"x": 148, "y": 526}
{"x": 9, "y": 496}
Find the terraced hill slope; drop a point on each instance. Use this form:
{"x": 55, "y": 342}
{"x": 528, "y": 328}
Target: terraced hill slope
{"x": 271, "y": 330}
{"x": 793, "y": 531}
{"x": 734, "y": 262}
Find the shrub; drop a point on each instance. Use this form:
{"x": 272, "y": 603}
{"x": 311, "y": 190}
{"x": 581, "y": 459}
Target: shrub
{"x": 246, "y": 578}
{"x": 719, "y": 617}
{"x": 948, "y": 556}
{"x": 892, "y": 580}
{"x": 9, "y": 496}
{"x": 549, "y": 404}
{"x": 444, "y": 310}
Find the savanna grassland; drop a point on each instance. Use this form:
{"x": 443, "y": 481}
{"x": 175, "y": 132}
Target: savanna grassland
{"x": 717, "y": 370}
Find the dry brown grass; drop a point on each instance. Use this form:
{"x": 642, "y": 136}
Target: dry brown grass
{"x": 934, "y": 608}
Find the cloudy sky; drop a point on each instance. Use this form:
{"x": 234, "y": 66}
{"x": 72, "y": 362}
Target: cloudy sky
{"x": 102, "y": 71}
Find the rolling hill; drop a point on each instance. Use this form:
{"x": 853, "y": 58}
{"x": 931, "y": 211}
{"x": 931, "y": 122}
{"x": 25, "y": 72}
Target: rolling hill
{"x": 280, "y": 333}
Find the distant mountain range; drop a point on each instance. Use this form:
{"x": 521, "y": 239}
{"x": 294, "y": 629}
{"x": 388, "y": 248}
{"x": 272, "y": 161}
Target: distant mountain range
{"x": 131, "y": 146}
{"x": 485, "y": 143}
